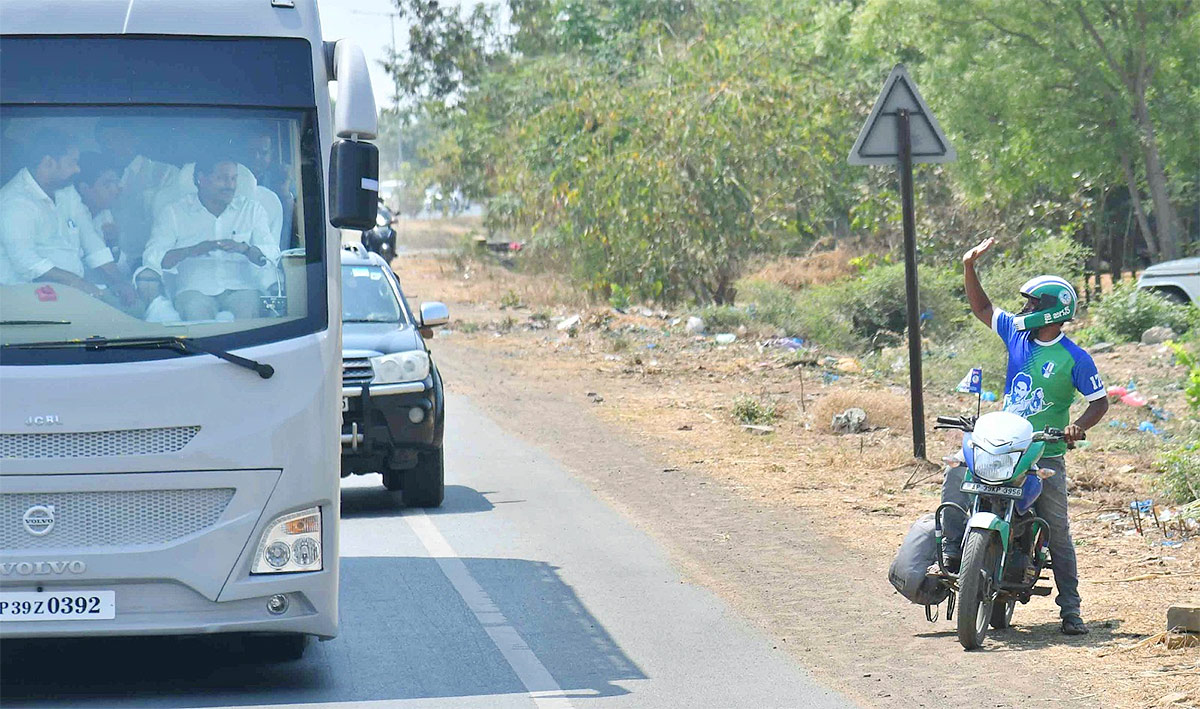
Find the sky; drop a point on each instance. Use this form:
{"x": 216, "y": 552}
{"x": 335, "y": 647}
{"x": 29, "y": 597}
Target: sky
{"x": 367, "y": 23}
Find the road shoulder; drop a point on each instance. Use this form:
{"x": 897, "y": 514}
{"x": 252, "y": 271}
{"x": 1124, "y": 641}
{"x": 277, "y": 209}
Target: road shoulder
{"x": 827, "y": 605}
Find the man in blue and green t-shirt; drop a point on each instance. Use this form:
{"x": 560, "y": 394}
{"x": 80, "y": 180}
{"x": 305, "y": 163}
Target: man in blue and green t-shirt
{"x": 1045, "y": 369}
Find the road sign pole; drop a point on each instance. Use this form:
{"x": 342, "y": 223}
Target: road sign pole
{"x": 915, "y": 380}
{"x": 879, "y": 144}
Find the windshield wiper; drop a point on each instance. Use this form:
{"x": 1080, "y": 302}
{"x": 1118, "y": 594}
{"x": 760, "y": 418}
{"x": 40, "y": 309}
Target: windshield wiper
{"x": 368, "y": 320}
{"x": 183, "y": 345}
{"x": 35, "y": 322}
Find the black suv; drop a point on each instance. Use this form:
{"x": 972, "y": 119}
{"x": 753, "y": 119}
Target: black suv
{"x": 393, "y": 407}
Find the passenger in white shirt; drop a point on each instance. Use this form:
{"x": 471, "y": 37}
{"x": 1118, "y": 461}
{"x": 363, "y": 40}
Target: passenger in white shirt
{"x": 30, "y": 240}
{"x": 141, "y": 181}
{"x": 83, "y": 213}
{"x": 218, "y": 243}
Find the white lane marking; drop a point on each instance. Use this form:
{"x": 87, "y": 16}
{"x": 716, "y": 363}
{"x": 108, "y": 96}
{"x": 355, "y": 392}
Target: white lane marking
{"x": 542, "y": 687}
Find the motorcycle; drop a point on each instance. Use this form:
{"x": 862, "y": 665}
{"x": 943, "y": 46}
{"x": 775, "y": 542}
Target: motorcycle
{"x": 381, "y": 239}
{"x": 1004, "y": 544}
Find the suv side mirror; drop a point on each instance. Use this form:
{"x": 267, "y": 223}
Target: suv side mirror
{"x": 434, "y": 314}
{"x": 353, "y": 185}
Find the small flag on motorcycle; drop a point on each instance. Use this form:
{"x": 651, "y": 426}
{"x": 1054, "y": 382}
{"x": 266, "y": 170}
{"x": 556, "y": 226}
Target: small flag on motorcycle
{"x": 972, "y": 383}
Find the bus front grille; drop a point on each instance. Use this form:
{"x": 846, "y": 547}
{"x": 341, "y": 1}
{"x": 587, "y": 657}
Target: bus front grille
{"x": 96, "y": 444}
{"x": 93, "y": 520}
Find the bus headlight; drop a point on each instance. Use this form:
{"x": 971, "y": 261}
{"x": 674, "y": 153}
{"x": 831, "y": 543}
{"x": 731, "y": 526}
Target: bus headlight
{"x": 292, "y": 542}
{"x": 400, "y": 367}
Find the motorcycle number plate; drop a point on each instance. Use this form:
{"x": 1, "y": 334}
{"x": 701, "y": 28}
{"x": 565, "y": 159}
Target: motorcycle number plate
{"x": 999, "y": 490}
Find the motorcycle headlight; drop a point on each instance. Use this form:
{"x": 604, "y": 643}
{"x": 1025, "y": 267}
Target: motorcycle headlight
{"x": 292, "y": 542}
{"x": 994, "y": 468}
{"x": 380, "y": 220}
{"x": 401, "y": 367}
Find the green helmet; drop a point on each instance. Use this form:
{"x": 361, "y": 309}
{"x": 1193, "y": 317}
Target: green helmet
{"x": 1056, "y": 301}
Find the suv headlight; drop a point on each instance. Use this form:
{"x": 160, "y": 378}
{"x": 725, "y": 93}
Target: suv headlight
{"x": 994, "y": 468}
{"x": 291, "y": 543}
{"x": 401, "y": 367}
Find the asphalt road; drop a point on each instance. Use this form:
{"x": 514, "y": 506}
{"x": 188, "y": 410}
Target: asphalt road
{"x": 524, "y": 589}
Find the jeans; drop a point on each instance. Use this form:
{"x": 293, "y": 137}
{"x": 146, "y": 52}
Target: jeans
{"x": 1051, "y": 506}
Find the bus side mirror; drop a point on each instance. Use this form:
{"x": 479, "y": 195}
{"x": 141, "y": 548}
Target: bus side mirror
{"x": 353, "y": 164}
{"x": 353, "y": 185}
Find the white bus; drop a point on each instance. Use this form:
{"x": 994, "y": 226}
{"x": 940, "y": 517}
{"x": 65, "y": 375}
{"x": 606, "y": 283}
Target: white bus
{"x": 170, "y": 323}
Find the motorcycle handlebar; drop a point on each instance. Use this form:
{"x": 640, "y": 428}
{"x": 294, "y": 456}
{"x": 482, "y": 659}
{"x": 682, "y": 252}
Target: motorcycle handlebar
{"x": 961, "y": 423}
{"x": 1055, "y": 435}
{"x": 964, "y": 423}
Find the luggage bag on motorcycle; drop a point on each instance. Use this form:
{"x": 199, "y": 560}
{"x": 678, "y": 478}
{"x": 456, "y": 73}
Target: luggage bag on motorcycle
{"x": 917, "y": 553}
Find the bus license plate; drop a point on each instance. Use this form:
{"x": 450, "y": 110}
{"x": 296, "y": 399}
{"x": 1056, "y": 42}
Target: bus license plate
{"x": 345, "y": 403}
{"x": 980, "y": 489}
{"x": 58, "y": 605}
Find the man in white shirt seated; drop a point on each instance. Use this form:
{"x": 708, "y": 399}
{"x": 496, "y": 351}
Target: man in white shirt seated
{"x": 38, "y": 243}
{"x": 86, "y": 225}
{"x": 217, "y": 243}
{"x": 141, "y": 181}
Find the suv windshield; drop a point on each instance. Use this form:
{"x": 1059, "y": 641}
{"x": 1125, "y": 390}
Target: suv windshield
{"x": 166, "y": 221}
{"x": 368, "y": 296}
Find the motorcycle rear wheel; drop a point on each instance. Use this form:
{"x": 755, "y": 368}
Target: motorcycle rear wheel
{"x": 979, "y": 561}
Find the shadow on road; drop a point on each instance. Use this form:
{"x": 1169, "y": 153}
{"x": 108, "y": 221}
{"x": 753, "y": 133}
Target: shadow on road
{"x": 1038, "y": 636}
{"x": 405, "y": 634}
{"x": 362, "y": 502}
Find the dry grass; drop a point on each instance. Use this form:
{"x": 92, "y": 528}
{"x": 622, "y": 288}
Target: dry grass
{"x": 485, "y": 282}
{"x": 796, "y": 273}
{"x": 885, "y": 409}
{"x": 435, "y": 233}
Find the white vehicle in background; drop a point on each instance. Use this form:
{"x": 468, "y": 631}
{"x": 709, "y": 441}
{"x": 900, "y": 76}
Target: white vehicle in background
{"x": 162, "y": 476}
{"x": 1178, "y": 280}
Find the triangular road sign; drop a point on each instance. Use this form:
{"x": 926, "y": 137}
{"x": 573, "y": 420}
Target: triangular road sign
{"x": 878, "y": 143}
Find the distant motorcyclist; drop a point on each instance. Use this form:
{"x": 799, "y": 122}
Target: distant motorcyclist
{"x": 1045, "y": 369}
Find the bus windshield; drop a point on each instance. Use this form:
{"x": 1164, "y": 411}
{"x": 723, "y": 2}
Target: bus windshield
{"x": 159, "y": 221}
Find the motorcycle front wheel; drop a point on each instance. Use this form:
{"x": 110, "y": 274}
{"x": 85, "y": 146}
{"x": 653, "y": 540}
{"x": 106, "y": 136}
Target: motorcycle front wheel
{"x": 980, "y": 557}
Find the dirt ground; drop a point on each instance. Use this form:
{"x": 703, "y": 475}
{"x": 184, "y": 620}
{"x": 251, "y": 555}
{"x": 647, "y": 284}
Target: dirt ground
{"x": 796, "y": 525}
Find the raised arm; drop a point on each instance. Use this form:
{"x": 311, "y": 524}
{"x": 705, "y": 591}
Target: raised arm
{"x": 981, "y": 305}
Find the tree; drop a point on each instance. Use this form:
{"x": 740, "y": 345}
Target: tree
{"x": 1056, "y": 90}
{"x": 660, "y": 146}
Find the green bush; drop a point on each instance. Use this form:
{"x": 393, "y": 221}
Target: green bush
{"x": 1128, "y": 311}
{"x": 1179, "y": 472}
{"x": 755, "y": 412}
{"x": 1002, "y": 275}
{"x": 975, "y": 346}
{"x": 813, "y": 314}
{"x": 1191, "y": 385}
{"x": 845, "y": 315}
{"x": 510, "y": 299}
{"x": 724, "y": 318}
{"x": 878, "y": 301}
{"x": 1093, "y": 334}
